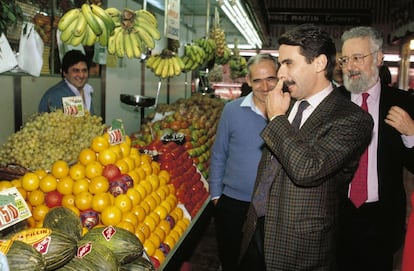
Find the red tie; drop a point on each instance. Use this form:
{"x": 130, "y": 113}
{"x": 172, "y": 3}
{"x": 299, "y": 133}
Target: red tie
{"x": 359, "y": 190}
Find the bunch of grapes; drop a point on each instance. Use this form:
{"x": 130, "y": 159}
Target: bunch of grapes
{"x": 49, "y": 137}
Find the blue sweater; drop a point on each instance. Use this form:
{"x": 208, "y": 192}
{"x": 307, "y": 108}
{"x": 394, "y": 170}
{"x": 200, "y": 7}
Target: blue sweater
{"x": 236, "y": 150}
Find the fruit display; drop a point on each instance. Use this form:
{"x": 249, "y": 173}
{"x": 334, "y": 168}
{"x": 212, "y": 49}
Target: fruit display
{"x": 112, "y": 195}
{"x": 194, "y": 56}
{"x": 196, "y": 118}
{"x": 238, "y": 64}
{"x": 166, "y": 64}
{"x": 22, "y": 256}
{"x": 208, "y": 45}
{"x": 136, "y": 32}
{"x": 86, "y": 25}
{"x": 43, "y": 26}
{"x": 48, "y": 137}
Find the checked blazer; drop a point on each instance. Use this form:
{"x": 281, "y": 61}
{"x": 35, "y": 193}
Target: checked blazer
{"x": 315, "y": 167}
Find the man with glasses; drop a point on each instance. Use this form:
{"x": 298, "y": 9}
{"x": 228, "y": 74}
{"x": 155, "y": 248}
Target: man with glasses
{"x": 235, "y": 155}
{"x": 372, "y": 228}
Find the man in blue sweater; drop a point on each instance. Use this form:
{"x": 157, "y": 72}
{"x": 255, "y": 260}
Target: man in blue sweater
{"x": 235, "y": 157}
{"x": 75, "y": 73}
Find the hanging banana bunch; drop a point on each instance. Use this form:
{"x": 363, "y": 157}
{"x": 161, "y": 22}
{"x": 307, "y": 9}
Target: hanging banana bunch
{"x": 194, "y": 56}
{"x": 208, "y": 45}
{"x": 137, "y": 31}
{"x": 166, "y": 64}
{"x": 86, "y": 25}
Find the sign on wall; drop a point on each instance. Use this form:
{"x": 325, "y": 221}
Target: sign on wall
{"x": 172, "y": 19}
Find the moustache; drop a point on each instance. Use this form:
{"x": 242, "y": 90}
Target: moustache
{"x": 352, "y": 73}
{"x": 286, "y": 85}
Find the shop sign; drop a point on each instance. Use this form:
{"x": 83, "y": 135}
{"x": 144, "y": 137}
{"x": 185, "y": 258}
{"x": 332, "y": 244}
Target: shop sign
{"x": 172, "y": 19}
{"x": 324, "y": 17}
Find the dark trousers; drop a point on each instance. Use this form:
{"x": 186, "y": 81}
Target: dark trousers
{"x": 230, "y": 215}
{"x": 363, "y": 241}
{"x": 254, "y": 257}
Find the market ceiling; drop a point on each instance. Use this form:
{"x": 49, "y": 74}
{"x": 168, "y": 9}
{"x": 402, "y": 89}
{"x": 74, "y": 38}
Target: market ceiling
{"x": 273, "y": 17}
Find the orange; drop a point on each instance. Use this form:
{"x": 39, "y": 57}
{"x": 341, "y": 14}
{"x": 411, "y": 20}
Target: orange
{"x": 81, "y": 185}
{"x": 30, "y": 181}
{"x": 40, "y": 173}
{"x": 22, "y": 192}
{"x": 99, "y": 143}
{"x": 160, "y": 232}
{"x": 123, "y": 202}
{"x": 48, "y": 183}
{"x": 36, "y": 198}
{"x": 165, "y": 226}
{"x": 31, "y": 222}
{"x": 167, "y": 206}
{"x": 68, "y": 200}
{"x": 101, "y": 201}
{"x": 141, "y": 190}
{"x": 65, "y": 185}
{"x": 170, "y": 241}
{"x": 172, "y": 188}
{"x": 139, "y": 212}
{"x": 77, "y": 171}
{"x": 98, "y": 184}
{"x": 159, "y": 255}
{"x": 93, "y": 169}
{"x": 123, "y": 166}
{"x": 151, "y": 202}
{"x": 131, "y": 218}
{"x": 156, "y": 197}
{"x": 74, "y": 210}
{"x": 86, "y": 156}
{"x": 147, "y": 168}
{"x": 149, "y": 247}
{"x": 134, "y": 196}
{"x": 140, "y": 235}
{"x": 117, "y": 150}
{"x": 144, "y": 229}
{"x": 141, "y": 172}
{"x": 179, "y": 212}
{"x": 111, "y": 215}
{"x": 153, "y": 180}
{"x": 161, "y": 211}
{"x": 175, "y": 234}
{"x": 145, "y": 206}
{"x": 163, "y": 180}
{"x": 130, "y": 162}
{"x": 161, "y": 193}
{"x": 136, "y": 156}
{"x": 60, "y": 169}
{"x": 107, "y": 156}
{"x": 155, "y": 167}
{"x": 14, "y": 183}
{"x": 126, "y": 225}
{"x": 178, "y": 228}
{"x": 125, "y": 148}
{"x": 156, "y": 217}
{"x": 5, "y": 184}
{"x": 186, "y": 221}
{"x": 83, "y": 200}
{"x": 134, "y": 176}
{"x": 155, "y": 239}
{"x": 150, "y": 222}
{"x": 39, "y": 212}
{"x": 165, "y": 174}
{"x": 147, "y": 185}
{"x": 145, "y": 158}
{"x": 181, "y": 224}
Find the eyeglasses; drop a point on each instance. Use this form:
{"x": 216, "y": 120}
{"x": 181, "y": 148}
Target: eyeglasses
{"x": 357, "y": 59}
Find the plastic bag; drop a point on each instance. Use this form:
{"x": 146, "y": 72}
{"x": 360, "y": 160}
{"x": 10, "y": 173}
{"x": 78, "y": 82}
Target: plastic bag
{"x": 31, "y": 46}
{"x": 7, "y": 58}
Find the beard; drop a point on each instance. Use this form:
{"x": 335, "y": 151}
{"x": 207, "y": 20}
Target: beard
{"x": 363, "y": 82}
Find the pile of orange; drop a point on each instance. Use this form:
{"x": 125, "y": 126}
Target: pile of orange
{"x": 145, "y": 209}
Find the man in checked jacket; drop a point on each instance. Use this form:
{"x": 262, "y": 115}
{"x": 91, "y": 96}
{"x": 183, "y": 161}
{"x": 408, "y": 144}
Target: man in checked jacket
{"x": 303, "y": 172}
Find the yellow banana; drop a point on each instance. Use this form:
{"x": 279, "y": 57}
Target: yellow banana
{"x": 80, "y": 26}
{"x": 76, "y": 40}
{"x": 157, "y": 62}
{"x": 151, "y": 29}
{"x": 165, "y": 68}
{"x": 100, "y": 12}
{"x": 171, "y": 70}
{"x": 145, "y": 37}
{"x": 67, "y": 33}
{"x": 160, "y": 67}
{"x": 104, "y": 36}
{"x": 90, "y": 19}
{"x": 148, "y": 16}
{"x": 68, "y": 19}
{"x": 177, "y": 67}
{"x": 150, "y": 61}
{"x": 120, "y": 48}
{"x": 129, "y": 51}
{"x": 113, "y": 12}
{"x": 136, "y": 44}
{"x": 90, "y": 37}
{"x": 112, "y": 41}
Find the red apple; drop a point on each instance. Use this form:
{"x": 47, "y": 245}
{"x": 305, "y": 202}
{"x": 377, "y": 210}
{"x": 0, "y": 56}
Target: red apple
{"x": 111, "y": 172}
{"x": 53, "y": 199}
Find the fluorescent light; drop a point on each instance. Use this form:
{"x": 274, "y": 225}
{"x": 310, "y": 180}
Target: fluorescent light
{"x": 238, "y": 16}
{"x": 411, "y": 44}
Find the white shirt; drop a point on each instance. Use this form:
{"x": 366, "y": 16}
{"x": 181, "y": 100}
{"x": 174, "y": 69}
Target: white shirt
{"x": 87, "y": 91}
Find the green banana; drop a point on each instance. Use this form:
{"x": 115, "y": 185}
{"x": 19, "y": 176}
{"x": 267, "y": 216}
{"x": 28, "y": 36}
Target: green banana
{"x": 90, "y": 19}
{"x": 180, "y": 63}
{"x": 145, "y": 37}
{"x": 104, "y": 36}
{"x": 76, "y": 40}
{"x": 148, "y": 16}
{"x": 151, "y": 29}
{"x": 136, "y": 44}
{"x": 90, "y": 37}
{"x": 100, "y": 12}
{"x": 68, "y": 19}
{"x": 80, "y": 26}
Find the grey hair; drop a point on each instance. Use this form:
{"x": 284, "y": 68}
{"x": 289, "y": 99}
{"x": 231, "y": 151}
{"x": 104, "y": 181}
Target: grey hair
{"x": 371, "y": 33}
{"x": 259, "y": 58}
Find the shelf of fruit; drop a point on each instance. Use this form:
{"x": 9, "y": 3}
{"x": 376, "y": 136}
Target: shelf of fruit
{"x": 110, "y": 188}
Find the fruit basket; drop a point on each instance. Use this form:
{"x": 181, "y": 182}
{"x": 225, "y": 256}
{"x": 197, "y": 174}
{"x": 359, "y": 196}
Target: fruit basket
{"x": 11, "y": 172}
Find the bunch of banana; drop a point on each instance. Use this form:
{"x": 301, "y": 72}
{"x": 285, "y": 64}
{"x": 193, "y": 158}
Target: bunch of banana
{"x": 86, "y": 25}
{"x": 217, "y": 34}
{"x": 146, "y": 27}
{"x": 194, "y": 56}
{"x": 115, "y": 14}
{"x": 225, "y": 58}
{"x": 166, "y": 64}
{"x": 208, "y": 45}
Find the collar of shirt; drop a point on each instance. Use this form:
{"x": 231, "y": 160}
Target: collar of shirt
{"x": 248, "y": 102}
{"x": 373, "y": 99}
{"x": 87, "y": 89}
{"x": 313, "y": 101}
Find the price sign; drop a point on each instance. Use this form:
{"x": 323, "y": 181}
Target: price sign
{"x": 13, "y": 208}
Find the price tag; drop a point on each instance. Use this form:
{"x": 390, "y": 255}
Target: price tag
{"x": 73, "y": 106}
{"x": 116, "y": 132}
{"x": 13, "y": 208}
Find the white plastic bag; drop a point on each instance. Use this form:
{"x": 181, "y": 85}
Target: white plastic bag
{"x": 7, "y": 58}
{"x": 31, "y": 46}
